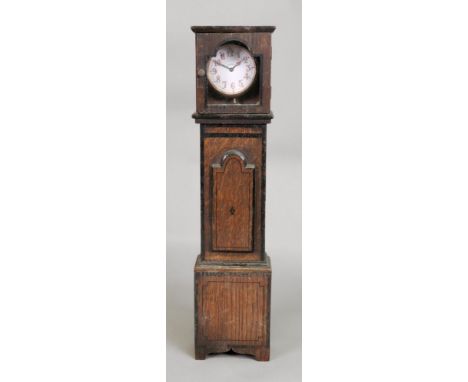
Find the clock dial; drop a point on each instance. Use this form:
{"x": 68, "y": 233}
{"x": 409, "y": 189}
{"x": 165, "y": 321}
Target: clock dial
{"x": 232, "y": 70}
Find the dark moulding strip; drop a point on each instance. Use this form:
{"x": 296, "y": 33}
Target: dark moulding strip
{"x": 224, "y": 118}
{"x": 233, "y": 29}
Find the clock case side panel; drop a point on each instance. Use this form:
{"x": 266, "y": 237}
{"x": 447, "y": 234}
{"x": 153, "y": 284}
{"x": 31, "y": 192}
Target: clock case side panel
{"x": 243, "y": 138}
{"x": 259, "y": 44}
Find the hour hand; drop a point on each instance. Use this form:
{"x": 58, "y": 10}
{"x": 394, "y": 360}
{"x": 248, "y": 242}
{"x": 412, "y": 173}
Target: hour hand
{"x": 220, "y": 64}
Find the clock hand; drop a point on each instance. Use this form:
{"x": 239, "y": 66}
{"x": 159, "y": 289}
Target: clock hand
{"x": 224, "y": 66}
{"x": 237, "y": 64}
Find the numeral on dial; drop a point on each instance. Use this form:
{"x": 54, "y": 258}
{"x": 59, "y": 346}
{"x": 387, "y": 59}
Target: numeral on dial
{"x": 224, "y": 84}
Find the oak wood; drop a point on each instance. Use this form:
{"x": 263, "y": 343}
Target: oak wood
{"x": 222, "y": 119}
{"x": 233, "y": 272}
{"x": 244, "y": 192}
{"x": 232, "y": 195}
{"x": 232, "y": 29}
{"x": 251, "y": 129}
{"x": 232, "y": 305}
{"x": 257, "y": 98}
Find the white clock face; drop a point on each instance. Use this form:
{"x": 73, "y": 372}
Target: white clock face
{"x": 232, "y": 70}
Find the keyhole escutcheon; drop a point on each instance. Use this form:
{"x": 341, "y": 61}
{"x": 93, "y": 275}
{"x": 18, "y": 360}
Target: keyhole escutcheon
{"x": 232, "y": 210}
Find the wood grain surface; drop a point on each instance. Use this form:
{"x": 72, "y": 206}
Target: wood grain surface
{"x": 232, "y": 309}
{"x": 233, "y": 272}
{"x": 232, "y": 198}
{"x": 232, "y": 194}
{"x": 256, "y": 100}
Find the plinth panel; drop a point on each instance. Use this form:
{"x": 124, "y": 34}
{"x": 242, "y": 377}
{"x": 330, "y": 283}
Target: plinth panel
{"x": 232, "y": 309}
{"x": 230, "y": 306}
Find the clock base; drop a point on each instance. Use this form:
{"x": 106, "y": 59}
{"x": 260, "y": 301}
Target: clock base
{"x": 232, "y": 309}
{"x": 259, "y": 353}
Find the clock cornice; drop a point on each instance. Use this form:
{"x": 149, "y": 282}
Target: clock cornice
{"x": 233, "y": 29}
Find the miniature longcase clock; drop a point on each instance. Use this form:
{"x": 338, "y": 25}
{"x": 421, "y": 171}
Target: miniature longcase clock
{"x": 233, "y": 272}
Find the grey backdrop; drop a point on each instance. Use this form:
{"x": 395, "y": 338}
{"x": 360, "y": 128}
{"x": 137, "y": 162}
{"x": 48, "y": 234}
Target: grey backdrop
{"x": 283, "y": 200}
